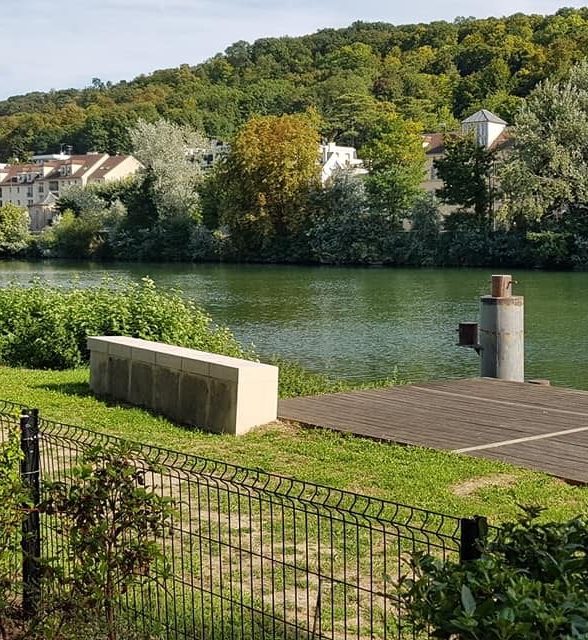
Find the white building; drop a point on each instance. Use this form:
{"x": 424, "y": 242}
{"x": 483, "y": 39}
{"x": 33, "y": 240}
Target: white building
{"x": 207, "y": 157}
{"x": 37, "y": 186}
{"x": 335, "y": 157}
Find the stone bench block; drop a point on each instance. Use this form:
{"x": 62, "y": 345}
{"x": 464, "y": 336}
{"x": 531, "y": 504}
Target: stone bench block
{"x": 210, "y": 391}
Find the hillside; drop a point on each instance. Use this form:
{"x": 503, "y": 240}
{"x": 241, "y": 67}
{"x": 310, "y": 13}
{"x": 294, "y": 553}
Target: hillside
{"x": 432, "y": 73}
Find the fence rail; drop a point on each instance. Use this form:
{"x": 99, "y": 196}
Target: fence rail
{"x": 253, "y": 554}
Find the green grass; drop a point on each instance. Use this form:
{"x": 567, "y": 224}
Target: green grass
{"x": 411, "y": 475}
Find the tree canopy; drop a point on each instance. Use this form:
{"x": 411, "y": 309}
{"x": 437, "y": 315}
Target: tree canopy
{"x": 433, "y": 73}
{"x": 268, "y": 175}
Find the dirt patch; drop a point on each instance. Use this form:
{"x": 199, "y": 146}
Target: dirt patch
{"x": 469, "y": 487}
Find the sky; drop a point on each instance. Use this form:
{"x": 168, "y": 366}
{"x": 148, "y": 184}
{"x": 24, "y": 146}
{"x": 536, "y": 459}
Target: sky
{"x": 56, "y": 44}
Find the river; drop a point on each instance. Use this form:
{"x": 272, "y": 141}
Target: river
{"x": 363, "y": 323}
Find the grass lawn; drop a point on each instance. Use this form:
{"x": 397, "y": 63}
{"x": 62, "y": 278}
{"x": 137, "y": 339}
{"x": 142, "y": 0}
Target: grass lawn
{"x": 446, "y": 482}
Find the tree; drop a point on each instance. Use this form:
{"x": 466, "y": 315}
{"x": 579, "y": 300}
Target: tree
{"x": 395, "y": 158}
{"x": 546, "y": 177}
{"x": 343, "y": 228}
{"x": 272, "y": 166}
{"x": 165, "y": 149}
{"x": 14, "y": 229}
{"x": 466, "y": 170}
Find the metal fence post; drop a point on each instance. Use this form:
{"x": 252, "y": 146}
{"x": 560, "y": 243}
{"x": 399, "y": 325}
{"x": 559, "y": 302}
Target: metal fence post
{"x": 31, "y": 527}
{"x": 473, "y": 532}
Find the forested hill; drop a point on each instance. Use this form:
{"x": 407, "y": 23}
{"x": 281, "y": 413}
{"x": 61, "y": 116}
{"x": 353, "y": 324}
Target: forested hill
{"x": 432, "y": 73}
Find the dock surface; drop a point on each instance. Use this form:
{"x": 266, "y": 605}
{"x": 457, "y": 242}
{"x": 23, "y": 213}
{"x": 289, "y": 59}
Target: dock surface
{"x": 538, "y": 427}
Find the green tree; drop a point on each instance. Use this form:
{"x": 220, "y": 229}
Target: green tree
{"x": 546, "y": 178}
{"x": 467, "y": 170}
{"x": 395, "y": 158}
{"x": 268, "y": 175}
{"x": 74, "y": 236}
{"x": 14, "y": 229}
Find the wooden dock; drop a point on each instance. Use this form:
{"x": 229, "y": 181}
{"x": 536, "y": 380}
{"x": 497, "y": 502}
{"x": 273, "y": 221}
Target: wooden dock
{"x": 539, "y": 427}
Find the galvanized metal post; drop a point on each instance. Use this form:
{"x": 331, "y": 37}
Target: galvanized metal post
{"x": 30, "y": 471}
{"x": 502, "y": 334}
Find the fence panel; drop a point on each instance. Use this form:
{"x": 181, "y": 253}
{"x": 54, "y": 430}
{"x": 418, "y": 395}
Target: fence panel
{"x": 256, "y": 555}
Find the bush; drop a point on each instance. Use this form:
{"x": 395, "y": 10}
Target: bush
{"x": 111, "y": 521}
{"x": 531, "y": 583}
{"x": 549, "y": 249}
{"x": 14, "y": 230}
{"x": 46, "y": 327}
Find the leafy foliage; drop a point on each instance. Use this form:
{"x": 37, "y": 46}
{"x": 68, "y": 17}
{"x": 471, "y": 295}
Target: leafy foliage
{"x": 530, "y": 583}
{"x": 110, "y": 521}
{"x": 395, "y": 157}
{"x": 546, "y": 178}
{"x": 14, "y": 229}
{"x": 46, "y": 327}
{"x": 165, "y": 149}
{"x": 272, "y": 165}
{"x": 466, "y": 170}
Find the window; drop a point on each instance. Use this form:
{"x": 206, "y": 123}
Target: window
{"x": 54, "y": 186}
{"x": 29, "y": 192}
{"x": 29, "y": 203}
{"x": 41, "y": 188}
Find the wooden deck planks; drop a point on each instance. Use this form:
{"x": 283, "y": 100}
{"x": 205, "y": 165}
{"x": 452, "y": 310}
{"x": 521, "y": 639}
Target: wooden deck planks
{"x": 458, "y": 414}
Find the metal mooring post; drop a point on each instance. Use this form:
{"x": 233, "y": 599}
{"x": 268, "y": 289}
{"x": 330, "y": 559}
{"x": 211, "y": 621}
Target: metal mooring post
{"x": 499, "y": 338}
{"x": 502, "y": 332}
{"x": 472, "y": 535}
{"x": 30, "y": 471}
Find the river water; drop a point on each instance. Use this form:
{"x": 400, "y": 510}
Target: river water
{"x": 363, "y": 323}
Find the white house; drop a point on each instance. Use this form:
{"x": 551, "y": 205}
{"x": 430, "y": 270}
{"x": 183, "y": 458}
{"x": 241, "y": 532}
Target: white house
{"x": 335, "y": 157}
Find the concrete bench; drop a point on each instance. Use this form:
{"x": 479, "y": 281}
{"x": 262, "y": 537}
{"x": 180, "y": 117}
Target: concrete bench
{"x": 216, "y": 393}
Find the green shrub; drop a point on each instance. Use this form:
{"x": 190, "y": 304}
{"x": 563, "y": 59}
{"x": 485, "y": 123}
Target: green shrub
{"x": 531, "y": 583}
{"x": 549, "y": 249}
{"x": 45, "y": 327}
{"x": 111, "y": 521}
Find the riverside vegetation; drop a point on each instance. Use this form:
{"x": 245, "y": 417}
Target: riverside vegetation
{"x": 88, "y": 597}
{"x": 377, "y": 87}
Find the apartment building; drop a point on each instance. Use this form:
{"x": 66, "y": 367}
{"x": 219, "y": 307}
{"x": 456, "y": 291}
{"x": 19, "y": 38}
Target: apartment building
{"x": 37, "y": 185}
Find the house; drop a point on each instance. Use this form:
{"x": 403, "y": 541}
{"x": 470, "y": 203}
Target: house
{"x": 37, "y": 185}
{"x": 489, "y": 130}
{"x": 335, "y": 157}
